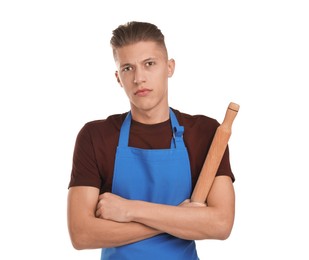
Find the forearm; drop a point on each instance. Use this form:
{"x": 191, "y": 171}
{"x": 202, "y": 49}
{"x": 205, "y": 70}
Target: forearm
{"x": 99, "y": 233}
{"x": 87, "y": 231}
{"x": 191, "y": 223}
{"x": 187, "y": 221}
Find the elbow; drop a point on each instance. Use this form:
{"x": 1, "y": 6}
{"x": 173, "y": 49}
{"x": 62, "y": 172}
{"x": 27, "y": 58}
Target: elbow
{"x": 223, "y": 235}
{"x": 218, "y": 232}
{"x": 224, "y": 230}
{"x": 79, "y": 240}
{"x": 223, "y": 226}
{"x": 82, "y": 239}
{"x": 78, "y": 243}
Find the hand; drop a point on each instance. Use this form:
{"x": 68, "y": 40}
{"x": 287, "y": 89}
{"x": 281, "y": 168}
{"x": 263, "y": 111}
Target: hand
{"x": 188, "y": 203}
{"x": 113, "y": 207}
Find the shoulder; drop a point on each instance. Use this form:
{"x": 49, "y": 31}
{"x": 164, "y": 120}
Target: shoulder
{"x": 198, "y": 121}
{"x": 113, "y": 121}
{"x": 103, "y": 127}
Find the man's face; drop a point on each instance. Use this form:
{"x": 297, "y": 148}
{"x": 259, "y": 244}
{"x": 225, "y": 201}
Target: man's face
{"x": 143, "y": 72}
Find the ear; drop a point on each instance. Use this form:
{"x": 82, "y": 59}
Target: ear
{"x": 171, "y": 67}
{"x": 117, "y": 77}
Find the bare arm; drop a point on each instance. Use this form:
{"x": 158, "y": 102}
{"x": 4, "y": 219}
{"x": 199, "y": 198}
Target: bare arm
{"x": 87, "y": 231}
{"x": 188, "y": 220}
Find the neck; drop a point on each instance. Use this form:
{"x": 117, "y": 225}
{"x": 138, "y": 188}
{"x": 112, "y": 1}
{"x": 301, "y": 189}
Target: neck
{"x": 150, "y": 117}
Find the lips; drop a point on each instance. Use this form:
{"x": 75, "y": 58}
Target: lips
{"x": 142, "y": 92}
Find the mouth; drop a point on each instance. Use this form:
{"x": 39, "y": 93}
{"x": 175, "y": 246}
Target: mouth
{"x": 142, "y": 92}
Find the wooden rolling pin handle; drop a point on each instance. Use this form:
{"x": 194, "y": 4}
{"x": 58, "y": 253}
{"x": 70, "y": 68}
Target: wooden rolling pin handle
{"x": 214, "y": 156}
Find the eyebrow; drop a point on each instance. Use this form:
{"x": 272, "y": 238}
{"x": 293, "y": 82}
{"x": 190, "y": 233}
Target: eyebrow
{"x": 143, "y": 61}
{"x": 124, "y": 65}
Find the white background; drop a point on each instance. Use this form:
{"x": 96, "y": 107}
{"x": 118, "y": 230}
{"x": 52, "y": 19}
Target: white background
{"x": 57, "y": 73}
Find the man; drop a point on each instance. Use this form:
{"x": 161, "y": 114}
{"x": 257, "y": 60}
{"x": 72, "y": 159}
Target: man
{"x": 133, "y": 173}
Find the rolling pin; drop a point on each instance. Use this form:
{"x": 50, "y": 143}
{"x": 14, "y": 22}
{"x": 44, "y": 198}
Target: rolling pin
{"x": 214, "y": 155}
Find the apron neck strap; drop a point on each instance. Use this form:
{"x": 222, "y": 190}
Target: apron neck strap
{"x": 178, "y": 131}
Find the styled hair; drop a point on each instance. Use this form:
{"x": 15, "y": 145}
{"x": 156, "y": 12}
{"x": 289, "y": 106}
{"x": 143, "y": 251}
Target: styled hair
{"x": 133, "y": 32}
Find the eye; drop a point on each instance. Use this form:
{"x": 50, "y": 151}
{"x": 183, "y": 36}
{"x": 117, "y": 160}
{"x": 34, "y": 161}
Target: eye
{"x": 150, "y": 63}
{"x": 127, "y": 68}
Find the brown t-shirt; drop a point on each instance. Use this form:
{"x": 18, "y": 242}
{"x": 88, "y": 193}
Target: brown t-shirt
{"x": 96, "y": 143}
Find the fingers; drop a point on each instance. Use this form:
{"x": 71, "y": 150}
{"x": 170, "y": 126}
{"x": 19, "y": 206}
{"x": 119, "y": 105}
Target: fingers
{"x": 184, "y": 202}
{"x": 198, "y": 204}
{"x": 188, "y": 203}
{"x": 112, "y": 207}
{"x": 99, "y": 208}
{"x": 104, "y": 195}
{"x": 107, "y": 202}
{"x": 98, "y": 213}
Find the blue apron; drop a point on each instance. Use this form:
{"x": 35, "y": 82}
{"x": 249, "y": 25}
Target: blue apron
{"x": 159, "y": 176}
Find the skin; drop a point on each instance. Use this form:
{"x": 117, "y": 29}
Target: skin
{"x": 143, "y": 72}
{"x": 107, "y": 220}
{"x": 193, "y": 221}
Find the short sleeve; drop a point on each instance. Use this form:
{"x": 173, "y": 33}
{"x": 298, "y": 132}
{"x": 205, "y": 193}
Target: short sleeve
{"x": 225, "y": 166}
{"x": 84, "y": 167}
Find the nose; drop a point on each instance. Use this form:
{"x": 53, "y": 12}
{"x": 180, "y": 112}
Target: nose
{"x": 139, "y": 76}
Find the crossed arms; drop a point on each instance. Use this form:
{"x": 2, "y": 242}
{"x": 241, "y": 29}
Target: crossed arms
{"x": 107, "y": 220}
